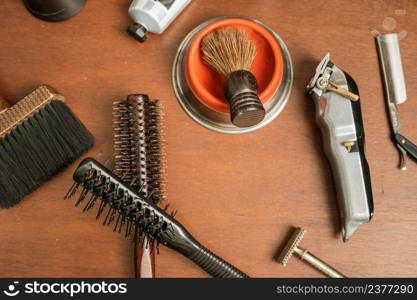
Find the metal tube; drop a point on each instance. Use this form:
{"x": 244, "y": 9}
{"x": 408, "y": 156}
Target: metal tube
{"x": 318, "y": 264}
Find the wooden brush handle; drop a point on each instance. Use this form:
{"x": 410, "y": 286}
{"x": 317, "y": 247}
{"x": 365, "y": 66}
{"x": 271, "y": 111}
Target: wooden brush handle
{"x": 145, "y": 261}
{"x": 241, "y": 90}
{"x": 3, "y": 104}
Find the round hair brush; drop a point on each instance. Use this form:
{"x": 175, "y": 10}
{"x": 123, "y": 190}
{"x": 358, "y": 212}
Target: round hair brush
{"x": 138, "y": 159}
{"x": 231, "y": 52}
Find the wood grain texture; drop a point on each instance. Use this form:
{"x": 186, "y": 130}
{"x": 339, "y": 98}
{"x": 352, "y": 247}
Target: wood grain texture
{"x": 238, "y": 195}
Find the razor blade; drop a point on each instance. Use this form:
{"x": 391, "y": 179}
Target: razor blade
{"x": 395, "y": 91}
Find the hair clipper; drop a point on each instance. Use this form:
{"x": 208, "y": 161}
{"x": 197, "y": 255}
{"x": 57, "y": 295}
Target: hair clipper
{"x": 338, "y": 114}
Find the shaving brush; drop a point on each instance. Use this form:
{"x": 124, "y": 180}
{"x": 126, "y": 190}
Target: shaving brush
{"x": 231, "y": 52}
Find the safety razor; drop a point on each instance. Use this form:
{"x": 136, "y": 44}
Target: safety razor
{"x": 292, "y": 247}
{"x": 338, "y": 114}
{"x": 395, "y": 92}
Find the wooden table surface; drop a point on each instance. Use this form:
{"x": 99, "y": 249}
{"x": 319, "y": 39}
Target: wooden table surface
{"x": 239, "y": 195}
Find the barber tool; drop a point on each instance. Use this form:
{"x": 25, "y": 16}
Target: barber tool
{"x": 338, "y": 115}
{"x": 130, "y": 209}
{"x": 231, "y": 52}
{"x": 39, "y": 136}
{"x": 395, "y": 92}
{"x": 292, "y": 247}
{"x": 153, "y": 16}
{"x": 232, "y": 74}
{"x": 138, "y": 159}
{"x": 54, "y": 10}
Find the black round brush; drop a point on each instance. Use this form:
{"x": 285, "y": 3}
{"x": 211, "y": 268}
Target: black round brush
{"x": 128, "y": 210}
{"x": 231, "y": 52}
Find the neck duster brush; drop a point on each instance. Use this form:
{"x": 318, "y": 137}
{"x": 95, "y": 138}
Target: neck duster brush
{"x": 39, "y": 136}
{"x": 231, "y": 52}
{"x": 138, "y": 159}
{"x": 140, "y": 217}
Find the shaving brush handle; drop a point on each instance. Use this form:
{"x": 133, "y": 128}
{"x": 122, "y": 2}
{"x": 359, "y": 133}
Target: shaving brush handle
{"x": 241, "y": 90}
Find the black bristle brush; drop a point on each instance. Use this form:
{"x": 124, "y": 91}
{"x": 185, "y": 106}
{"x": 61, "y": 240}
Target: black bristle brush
{"x": 121, "y": 204}
{"x": 138, "y": 158}
{"x": 39, "y": 136}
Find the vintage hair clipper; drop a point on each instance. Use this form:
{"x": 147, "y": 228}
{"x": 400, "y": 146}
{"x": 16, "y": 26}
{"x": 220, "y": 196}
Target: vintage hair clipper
{"x": 338, "y": 114}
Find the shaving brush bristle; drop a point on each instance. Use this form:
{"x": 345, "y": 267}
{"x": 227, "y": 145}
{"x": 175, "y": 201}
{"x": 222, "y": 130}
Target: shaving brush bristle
{"x": 231, "y": 52}
{"x": 228, "y": 49}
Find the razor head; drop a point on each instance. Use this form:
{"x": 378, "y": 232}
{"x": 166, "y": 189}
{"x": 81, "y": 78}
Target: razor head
{"x": 292, "y": 243}
{"x": 319, "y": 72}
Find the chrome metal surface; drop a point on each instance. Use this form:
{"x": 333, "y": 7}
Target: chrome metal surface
{"x": 335, "y": 117}
{"x": 394, "y": 83}
{"x": 292, "y": 247}
{"x": 317, "y": 263}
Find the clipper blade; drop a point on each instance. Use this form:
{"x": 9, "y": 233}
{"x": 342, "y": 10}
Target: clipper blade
{"x": 292, "y": 243}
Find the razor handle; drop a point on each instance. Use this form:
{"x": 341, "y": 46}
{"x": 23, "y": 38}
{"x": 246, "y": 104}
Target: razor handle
{"x": 407, "y": 145}
{"x": 340, "y": 121}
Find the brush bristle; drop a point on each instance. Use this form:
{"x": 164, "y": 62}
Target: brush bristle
{"x": 126, "y": 208}
{"x": 38, "y": 148}
{"x": 138, "y": 146}
{"x": 228, "y": 49}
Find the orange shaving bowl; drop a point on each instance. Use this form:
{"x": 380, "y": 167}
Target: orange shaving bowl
{"x": 207, "y": 85}
{"x": 199, "y": 89}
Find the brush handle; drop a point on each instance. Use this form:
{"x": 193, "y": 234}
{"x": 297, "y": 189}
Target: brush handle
{"x": 214, "y": 265}
{"x": 179, "y": 239}
{"x": 241, "y": 90}
{"x": 144, "y": 260}
{"x": 3, "y": 104}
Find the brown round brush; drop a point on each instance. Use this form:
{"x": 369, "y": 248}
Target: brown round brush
{"x": 231, "y": 52}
